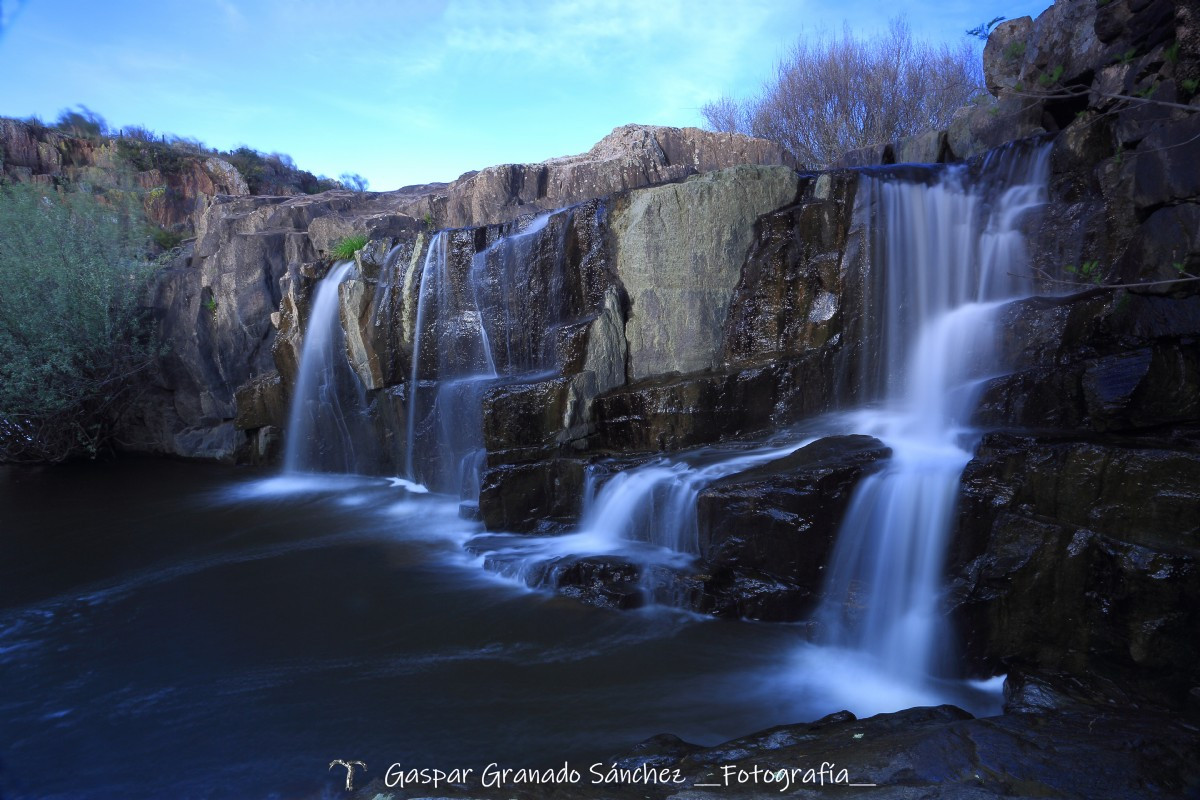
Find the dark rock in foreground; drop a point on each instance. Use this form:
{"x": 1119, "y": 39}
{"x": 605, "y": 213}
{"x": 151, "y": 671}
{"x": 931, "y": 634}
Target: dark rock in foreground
{"x": 1075, "y": 751}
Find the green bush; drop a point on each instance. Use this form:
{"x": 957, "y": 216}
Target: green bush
{"x": 73, "y": 336}
{"x": 344, "y": 249}
{"x": 166, "y": 239}
{"x": 142, "y": 156}
{"x": 84, "y": 123}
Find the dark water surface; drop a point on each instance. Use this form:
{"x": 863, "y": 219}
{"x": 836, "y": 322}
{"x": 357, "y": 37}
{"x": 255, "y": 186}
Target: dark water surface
{"x": 195, "y": 631}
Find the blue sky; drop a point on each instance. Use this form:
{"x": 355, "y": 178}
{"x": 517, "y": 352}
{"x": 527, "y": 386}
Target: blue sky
{"x": 412, "y": 92}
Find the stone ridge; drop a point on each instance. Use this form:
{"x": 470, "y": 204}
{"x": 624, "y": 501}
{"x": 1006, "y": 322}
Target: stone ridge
{"x": 630, "y": 157}
{"x": 246, "y": 245}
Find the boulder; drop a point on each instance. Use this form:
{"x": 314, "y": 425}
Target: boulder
{"x": 532, "y": 497}
{"x": 1004, "y": 54}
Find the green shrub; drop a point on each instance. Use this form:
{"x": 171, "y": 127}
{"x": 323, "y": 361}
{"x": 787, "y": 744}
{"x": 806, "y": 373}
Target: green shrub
{"x": 143, "y": 155}
{"x": 72, "y": 331}
{"x": 84, "y": 123}
{"x": 344, "y": 249}
{"x": 166, "y": 239}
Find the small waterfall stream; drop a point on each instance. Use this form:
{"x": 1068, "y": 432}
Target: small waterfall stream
{"x": 471, "y": 336}
{"x": 946, "y": 257}
{"x": 327, "y": 427}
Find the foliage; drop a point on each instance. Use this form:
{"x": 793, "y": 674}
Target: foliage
{"x": 72, "y": 332}
{"x": 353, "y": 181}
{"x": 1052, "y": 77}
{"x": 138, "y": 132}
{"x": 144, "y": 155}
{"x": 984, "y": 30}
{"x": 344, "y": 249}
{"x": 831, "y": 95}
{"x": 142, "y": 150}
{"x": 166, "y": 239}
{"x": 1088, "y": 271}
{"x": 84, "y": 122}
{"x": 276, "y": 173}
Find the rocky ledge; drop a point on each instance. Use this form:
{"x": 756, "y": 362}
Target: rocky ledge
{"x": 1049, "y": 744}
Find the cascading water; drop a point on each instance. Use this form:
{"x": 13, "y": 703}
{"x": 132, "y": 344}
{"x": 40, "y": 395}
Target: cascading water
{"x": 945, "y": 248}
{"x": 645, "y": 516}
{"x": 946, "y": 253}
{"x": 944, "y": 259}
{"x": 471, "y": 335}
{"x": 327, "y": 426}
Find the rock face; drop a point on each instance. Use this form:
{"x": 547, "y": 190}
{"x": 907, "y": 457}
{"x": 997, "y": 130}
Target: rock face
{"x": 174, "y": 199}
{"x": 232, "y": 306}
{"x": 217, "y": 306}
{"x": 630, "y": 157}
{"x": 1081, "y": 556}
{"x": 680, "y": 250}
{"x": 776, "y": 525}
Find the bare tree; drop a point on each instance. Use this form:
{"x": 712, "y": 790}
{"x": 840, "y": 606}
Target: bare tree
{"x": 830, "y": 95}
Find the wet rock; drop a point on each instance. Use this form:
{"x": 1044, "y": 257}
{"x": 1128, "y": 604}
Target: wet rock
{"x": 603, "y": 581}
{"x": 526, "y": 415}
{"x": 675, "y": 413}
{"x": 741, "y": 593}
{"x": 1163, "y": 247}
{"x": 261, "y": 402}
{"x": 789, "y": 296}
{"x": 1159, "y": 171}
{"x": 530, "y": 497}
{"x": 780, "y": 520}
{"x": 1082, "y": 556}
{"x": 1103, "y": 360}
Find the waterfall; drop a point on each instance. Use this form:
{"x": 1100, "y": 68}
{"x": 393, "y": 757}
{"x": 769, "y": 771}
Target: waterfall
{"x": 645, "y": 515}
{"x": 473, "y": 332}
{"x": 655, "y": 503}
{"x": 327, "y": 426}
{"x": 945, "y": 257}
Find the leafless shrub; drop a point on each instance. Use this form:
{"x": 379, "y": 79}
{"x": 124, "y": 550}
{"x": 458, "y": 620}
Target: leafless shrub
{"x": 830, "y": 95}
